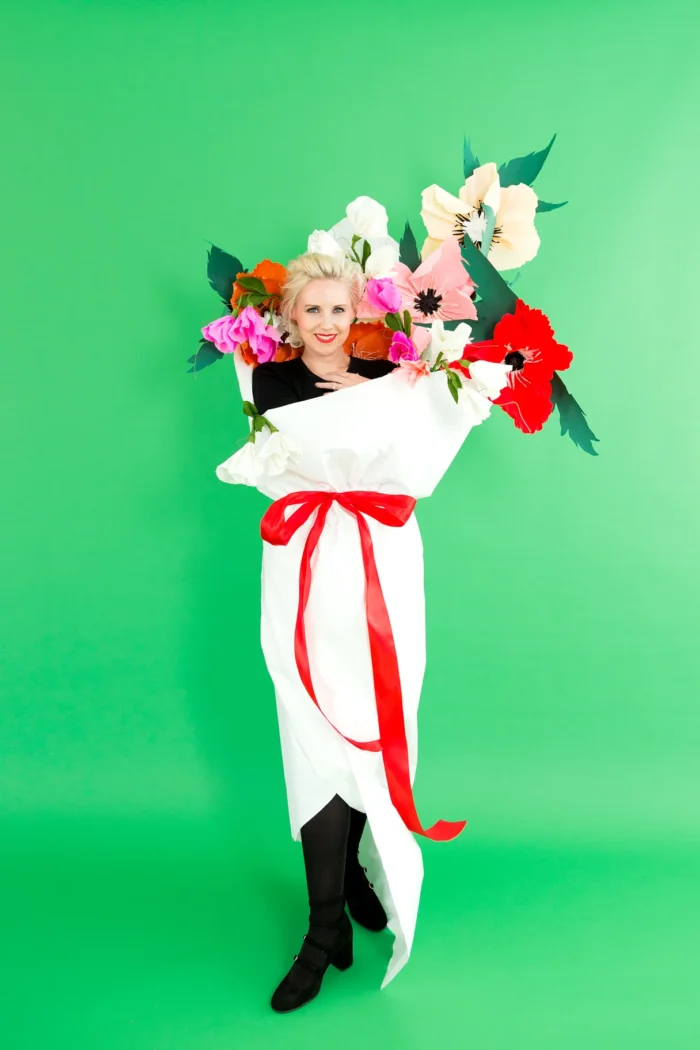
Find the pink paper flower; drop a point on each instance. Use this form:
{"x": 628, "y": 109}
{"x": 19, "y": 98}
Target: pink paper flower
{"x": 413, "y": 370}
{"x": 440, "y": 289}
{"x": 382, "y": 295}
{"x": 402, "y": 348}
{"x": 227, "y": 333}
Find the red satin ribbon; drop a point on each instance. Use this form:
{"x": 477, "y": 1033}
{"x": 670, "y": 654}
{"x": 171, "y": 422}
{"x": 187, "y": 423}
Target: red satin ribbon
{"x": 389, "y": 510}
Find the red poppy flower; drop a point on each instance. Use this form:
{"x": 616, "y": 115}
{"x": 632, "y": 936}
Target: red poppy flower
{"x": 525, "y": 341}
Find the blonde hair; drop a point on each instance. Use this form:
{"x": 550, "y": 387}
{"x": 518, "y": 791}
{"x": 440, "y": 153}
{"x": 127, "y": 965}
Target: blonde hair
{"x": 311, "y": 266}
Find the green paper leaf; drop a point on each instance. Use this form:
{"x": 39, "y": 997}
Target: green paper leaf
{"x": 407, "y": 322}
{"x": 252, "y": 284}
{"x": 453, "y": 384}
{"x": 221, "y": 271}
{"x": 249, "y": 409}
{"x": 366, "y": 252}
{"x": 393, "y": 321}
{"x": 544, "y": 206}
{"x": 488, "y": 231}
{"x": 524, "y": 169}
{"x": 471, "y": 161}
{"x": 572, "y": 417}
{"x": 207, "y": 354}
{"x": 496, "y": 298}
{"x": 258, "y": 423}
{"x": 408, "y": 250}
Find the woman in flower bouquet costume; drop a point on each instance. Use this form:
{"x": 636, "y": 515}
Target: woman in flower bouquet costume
{"x": 362, "y": 368}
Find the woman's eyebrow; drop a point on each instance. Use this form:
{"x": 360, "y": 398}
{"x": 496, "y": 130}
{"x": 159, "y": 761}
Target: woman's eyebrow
{"x": 309, "y": 305}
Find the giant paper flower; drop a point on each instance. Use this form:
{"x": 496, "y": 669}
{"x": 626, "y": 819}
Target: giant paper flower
{"x": 228, "y": 333}
{"x": 525, "y": 341}
{"x": 440, "y": 289}
{"x": 367, "y": 219}
{"x": 515, "y": 240}
{"x": 271, "y": 274}
{"x": 370, "y": 340}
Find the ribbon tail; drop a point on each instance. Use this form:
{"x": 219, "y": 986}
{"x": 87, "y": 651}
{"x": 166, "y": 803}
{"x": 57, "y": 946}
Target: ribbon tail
{"x": 389, "y": 697}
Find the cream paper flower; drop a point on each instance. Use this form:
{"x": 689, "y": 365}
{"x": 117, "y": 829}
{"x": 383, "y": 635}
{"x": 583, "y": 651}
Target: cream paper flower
{"x": 367, "y": 219}
{"x": 515, "y": 239}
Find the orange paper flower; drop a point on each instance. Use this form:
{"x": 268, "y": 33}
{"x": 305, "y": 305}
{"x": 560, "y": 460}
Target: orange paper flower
{"x": 271, "y": 274}
{"x": 370, "y": 340}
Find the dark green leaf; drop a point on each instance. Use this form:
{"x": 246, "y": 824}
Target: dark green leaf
{"x": 544, "y": 206}
{"x": 393, "y": 321}
{"x": 252, "y": 284}
{"x": 207, "y": 354}
{"x": 524, "y": 169}
{"x": 256, "y": 298}
{"x": 496, "y": 298}
{"x": 366, "y": 252}
{"x": 221, "y": 271}
{"x": 572, "y": 417}
{"x": 471, "y": 161}
{"x": 408, "y": 249}
{"x": 407, "y": 322}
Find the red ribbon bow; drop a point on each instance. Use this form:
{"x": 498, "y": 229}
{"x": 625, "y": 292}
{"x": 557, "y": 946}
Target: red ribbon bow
{"x": 389, "y": 510}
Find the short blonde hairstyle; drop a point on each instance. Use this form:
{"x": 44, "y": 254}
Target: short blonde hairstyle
{"x": 312, "y": 266}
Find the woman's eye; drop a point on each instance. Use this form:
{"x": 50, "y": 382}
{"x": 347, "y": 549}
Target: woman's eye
{"x": 341, "y": 308}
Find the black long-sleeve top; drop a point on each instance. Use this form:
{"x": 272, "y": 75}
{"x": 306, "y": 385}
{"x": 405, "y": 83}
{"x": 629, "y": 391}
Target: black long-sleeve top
{"x": 278, "y": 383}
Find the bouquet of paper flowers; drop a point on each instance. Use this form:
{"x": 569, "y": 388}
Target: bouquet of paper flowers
{"x": 444, "y": 308}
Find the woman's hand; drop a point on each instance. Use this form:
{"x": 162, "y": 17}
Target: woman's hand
{"x": 338, "y": 380}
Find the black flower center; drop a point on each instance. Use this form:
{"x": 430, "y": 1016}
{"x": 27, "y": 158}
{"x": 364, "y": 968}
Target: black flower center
{"x": 515, "y": 359}
{"x": 427, "y": 302}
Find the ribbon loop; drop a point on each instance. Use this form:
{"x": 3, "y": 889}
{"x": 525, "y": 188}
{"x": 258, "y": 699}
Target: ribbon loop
{"x": 394, "y": 511}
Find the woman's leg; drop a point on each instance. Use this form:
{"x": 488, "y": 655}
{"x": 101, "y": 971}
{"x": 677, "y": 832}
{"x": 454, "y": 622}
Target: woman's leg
{"x": 358, "y": 819}
{"x": 324, "y": 840}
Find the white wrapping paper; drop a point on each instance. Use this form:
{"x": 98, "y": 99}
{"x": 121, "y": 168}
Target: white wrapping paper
{"x": 387, "y": 436}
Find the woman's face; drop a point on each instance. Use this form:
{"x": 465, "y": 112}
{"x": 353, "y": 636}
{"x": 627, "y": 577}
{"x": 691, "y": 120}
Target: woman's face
{"x": 323, "y": 313}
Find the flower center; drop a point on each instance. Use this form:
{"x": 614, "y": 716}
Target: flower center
{"x": 428, "y": 301}
{"x": 474, "y": 226}
{"x": 515, "y": 359}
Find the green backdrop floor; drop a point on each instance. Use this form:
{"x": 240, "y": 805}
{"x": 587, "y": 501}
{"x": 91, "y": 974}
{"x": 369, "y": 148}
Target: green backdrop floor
{"x": 154, "y": 937}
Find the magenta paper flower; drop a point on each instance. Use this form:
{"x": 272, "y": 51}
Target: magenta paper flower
{"x": 382, "y": 295}
{"x": 227, "y": 333}
{"x": 440, "y": 289}
{"x": 402, "y": 348}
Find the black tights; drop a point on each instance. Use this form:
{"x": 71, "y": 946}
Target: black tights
{"x": 330, "y": 841}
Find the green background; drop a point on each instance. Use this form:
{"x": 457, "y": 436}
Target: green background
{"x": 152, "y": 896}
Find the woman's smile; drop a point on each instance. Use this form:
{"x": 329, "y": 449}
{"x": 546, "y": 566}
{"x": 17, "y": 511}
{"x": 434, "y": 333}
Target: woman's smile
{"x": 325, "y": 337}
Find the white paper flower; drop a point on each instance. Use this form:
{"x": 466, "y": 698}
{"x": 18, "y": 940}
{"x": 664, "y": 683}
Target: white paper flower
{"x": 486, "y": 382}
{"x": 382, "y": 259}
{"x": 446, "y": 341}
{"x": 242, "y": 468}
{"x": 277, "y": 321}
{"x": 368, "y": 218}
{"x": 323, "y": 243}
{"x": 277, "y": 452}
{"x": 488, "y": 377}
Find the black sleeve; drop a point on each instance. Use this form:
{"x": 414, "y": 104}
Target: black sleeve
{"x": 374, "y": 369}
{"x": 271, "y": 389}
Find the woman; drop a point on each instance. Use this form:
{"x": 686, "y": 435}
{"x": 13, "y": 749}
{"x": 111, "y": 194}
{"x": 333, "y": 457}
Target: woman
{"x": 320, "y": 300}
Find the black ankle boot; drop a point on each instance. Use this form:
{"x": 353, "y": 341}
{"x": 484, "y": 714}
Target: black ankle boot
{"x": 303, "y": 982}
{"x": 363, "y": 903}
